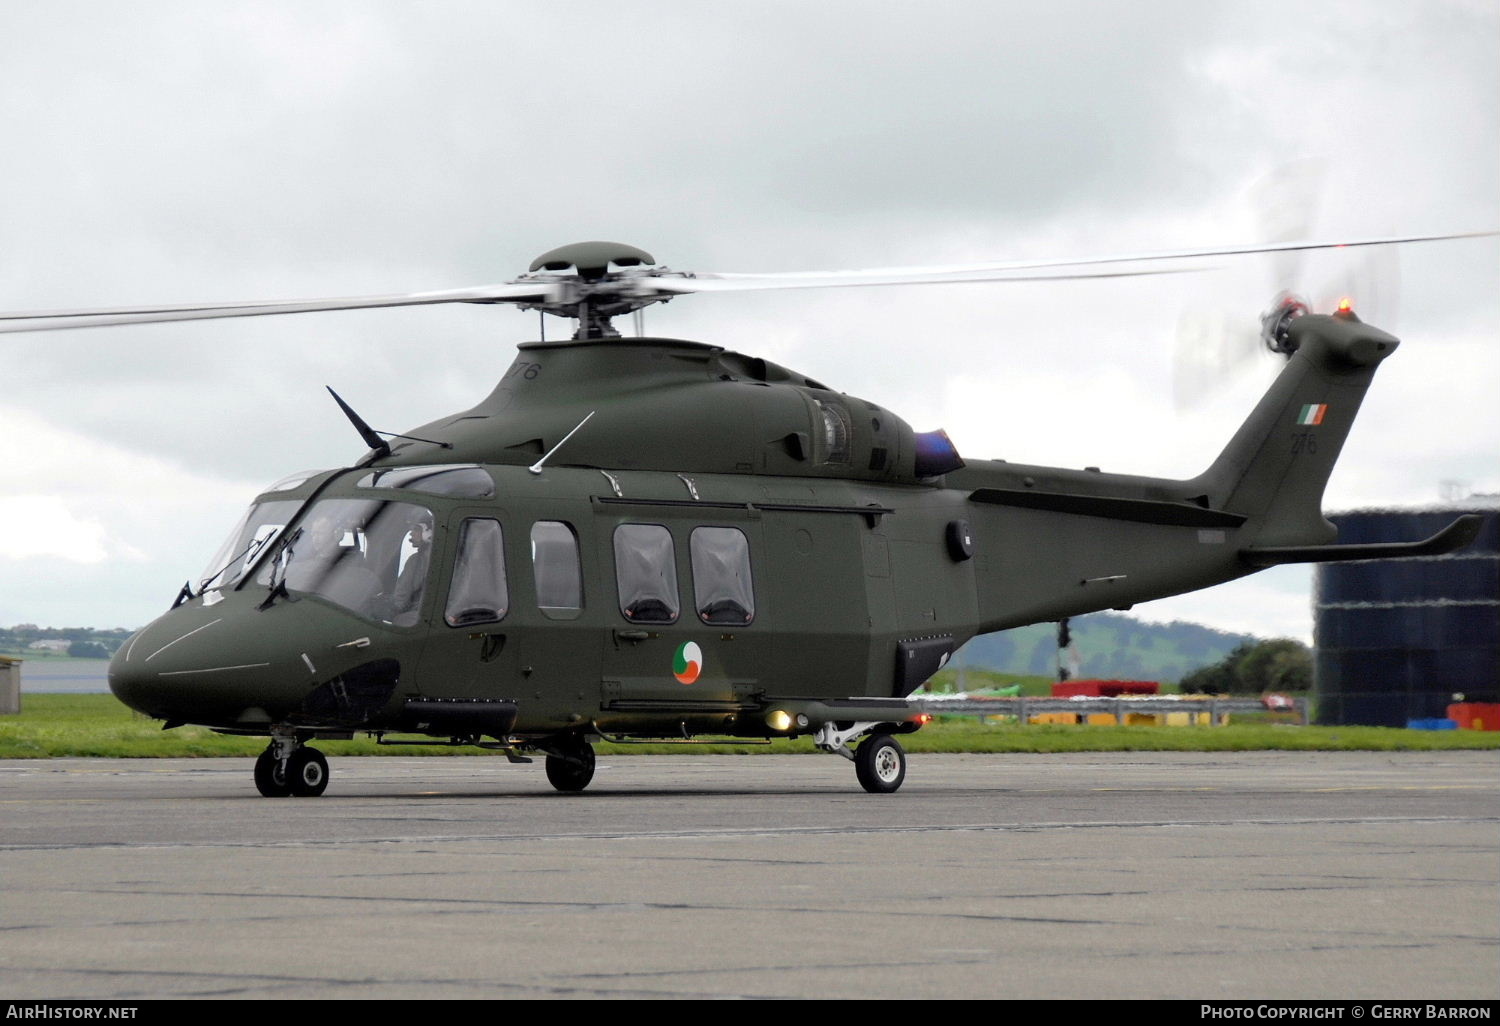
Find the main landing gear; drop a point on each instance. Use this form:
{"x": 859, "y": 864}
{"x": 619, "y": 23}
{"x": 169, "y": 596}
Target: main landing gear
{"x": 288, "y": 768}
{"x": 879, "y": 763}
{"x": 570, "y": 764}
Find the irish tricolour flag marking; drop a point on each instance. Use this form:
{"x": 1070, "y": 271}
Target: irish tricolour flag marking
{"x": 1312, "y": 414}
{"x": 688, "y": 662}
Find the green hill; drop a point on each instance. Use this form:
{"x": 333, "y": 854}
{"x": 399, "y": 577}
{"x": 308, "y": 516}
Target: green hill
{"x": 1109, "y": 646}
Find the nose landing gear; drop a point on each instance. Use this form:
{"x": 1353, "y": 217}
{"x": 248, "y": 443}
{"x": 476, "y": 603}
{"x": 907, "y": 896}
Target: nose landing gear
{"x": 287, "y": 768}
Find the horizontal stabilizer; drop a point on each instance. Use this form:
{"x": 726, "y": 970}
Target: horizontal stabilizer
{"x": 1450, "y": 539}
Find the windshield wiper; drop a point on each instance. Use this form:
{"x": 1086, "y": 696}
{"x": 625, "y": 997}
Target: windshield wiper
{"x": 279, "y": 563}
{"x": 248, "y": 554}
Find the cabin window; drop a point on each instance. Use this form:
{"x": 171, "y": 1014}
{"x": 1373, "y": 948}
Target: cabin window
{"x": 478, "y": 593}
{"x": 721, "y": 576}
{"x": 556, "y": 568}
{"x": 646, "y": 572}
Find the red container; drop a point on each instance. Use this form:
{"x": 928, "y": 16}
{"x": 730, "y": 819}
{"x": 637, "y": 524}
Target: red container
{"x": 1475, "y": 715}
{"x": 1104, "y": 688}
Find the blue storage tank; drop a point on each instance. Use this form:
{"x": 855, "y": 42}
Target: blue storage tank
{"x": 1395, "y": 640}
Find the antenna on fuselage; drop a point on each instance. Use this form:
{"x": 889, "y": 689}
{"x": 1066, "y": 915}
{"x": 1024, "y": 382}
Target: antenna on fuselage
{"x": 536, "y": 468}
{"x": 371, "y": 436}
{"x": 374, "y": 441}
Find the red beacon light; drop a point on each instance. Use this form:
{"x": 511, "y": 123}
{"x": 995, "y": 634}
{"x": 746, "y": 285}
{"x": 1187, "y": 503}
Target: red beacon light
{"x": 1346, "y": 309}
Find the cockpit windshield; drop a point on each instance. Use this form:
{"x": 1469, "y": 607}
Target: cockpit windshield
{"x": 368, "y": 556}
{"x": 257, "y": 528}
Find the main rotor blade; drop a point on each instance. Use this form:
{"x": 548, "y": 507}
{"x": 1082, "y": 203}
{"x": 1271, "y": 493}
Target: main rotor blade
{"x": 53, "y": 320}
{"x": 1020, "y": 270}
{"x": 851, "y": 279}
{"x": 557, "y": 295}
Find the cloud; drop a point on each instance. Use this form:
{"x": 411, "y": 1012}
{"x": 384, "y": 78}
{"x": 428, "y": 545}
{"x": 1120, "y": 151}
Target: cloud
{"x": 136, "y": 522}
{"x": 43, "y": 525}
{"x": 275, "y": 150}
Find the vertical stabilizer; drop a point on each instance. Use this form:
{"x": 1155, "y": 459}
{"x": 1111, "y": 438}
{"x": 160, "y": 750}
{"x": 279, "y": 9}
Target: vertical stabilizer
{"x": 1275, "y": 468}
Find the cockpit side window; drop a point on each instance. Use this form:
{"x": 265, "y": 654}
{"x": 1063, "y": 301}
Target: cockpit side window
{"x": 478, "y": 593}
{"x": 646, "y": 573}
{"x": 721, "y": 576}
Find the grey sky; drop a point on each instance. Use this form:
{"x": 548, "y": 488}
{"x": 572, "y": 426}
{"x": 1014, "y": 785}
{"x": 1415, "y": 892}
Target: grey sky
{"x": 169, "y": 151}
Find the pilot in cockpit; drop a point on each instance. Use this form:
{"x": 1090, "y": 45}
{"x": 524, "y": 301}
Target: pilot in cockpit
{"x": 406, "y": 598}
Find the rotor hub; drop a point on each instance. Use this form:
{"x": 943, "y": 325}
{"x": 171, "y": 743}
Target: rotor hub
{"x": 591, "y": 259}
{"x": 596, "y": 282}
{"x": 1276, "y": 323}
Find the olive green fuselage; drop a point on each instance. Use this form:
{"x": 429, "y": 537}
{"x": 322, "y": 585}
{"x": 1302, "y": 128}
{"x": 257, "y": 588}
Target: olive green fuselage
{"x": 802, "y": 548}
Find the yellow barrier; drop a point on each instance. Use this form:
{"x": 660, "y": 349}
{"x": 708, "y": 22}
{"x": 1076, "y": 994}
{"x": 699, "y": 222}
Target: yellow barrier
{"x": 1171, "y": 719}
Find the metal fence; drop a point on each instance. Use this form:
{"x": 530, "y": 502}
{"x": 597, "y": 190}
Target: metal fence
{"x": 1024, "y": 708}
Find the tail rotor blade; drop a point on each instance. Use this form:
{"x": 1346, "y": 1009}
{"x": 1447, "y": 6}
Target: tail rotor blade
{"x": 1370, "y": 281}
{"x": 1212, "y": 349}
{"x": 1286, "y": 205}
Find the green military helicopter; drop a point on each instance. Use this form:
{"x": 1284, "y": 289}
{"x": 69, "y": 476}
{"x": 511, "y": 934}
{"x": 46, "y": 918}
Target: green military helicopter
{"x": 648, "y": 539}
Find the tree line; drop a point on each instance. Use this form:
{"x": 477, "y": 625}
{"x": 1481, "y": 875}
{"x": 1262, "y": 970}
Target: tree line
{"x": 82, "y": 642}
{"x": 1279, "y": 664}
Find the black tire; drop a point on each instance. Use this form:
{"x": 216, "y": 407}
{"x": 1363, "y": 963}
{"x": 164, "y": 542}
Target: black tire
{"x": 573, "y": 771}
{"x": 307, "y": 773}
{"x": 880, "y": 764}
{"x": 270, "y": 775}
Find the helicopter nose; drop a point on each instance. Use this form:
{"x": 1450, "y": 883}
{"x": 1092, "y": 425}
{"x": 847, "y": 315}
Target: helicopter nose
{"x": 151, "y": 673}
{"x": 237, "y": 664}
{"x": 192, "y": 666}
{"x": 134, "y": 679}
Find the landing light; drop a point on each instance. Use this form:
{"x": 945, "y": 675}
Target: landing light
{"x": 779, "y": 720}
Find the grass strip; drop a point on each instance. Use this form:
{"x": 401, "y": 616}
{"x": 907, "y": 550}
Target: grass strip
{"x": 70, "y": 726}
